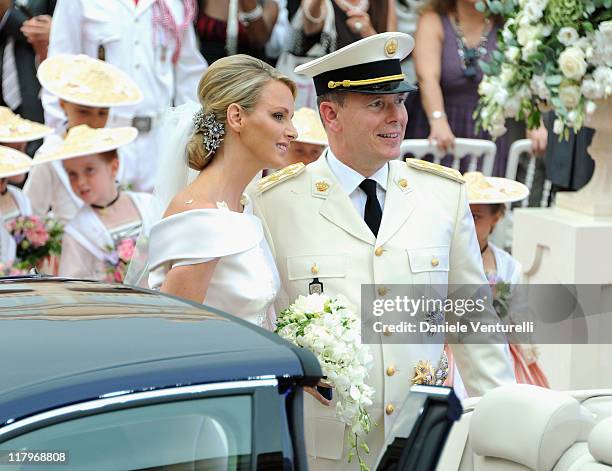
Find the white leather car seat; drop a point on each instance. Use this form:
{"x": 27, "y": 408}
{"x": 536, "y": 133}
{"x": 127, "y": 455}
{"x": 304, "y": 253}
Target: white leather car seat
{"x": 524, "y": 427}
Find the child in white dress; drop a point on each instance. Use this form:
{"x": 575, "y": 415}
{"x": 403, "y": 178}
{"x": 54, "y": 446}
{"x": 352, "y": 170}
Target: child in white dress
{"x": 98, "y": 242}
{"x": 488, "y": 197}
{"x": 12, "y": 163}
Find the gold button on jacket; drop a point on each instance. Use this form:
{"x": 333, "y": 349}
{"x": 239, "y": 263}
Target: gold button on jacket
{"x": 389, "y": 409}
{"x": 390, "y": 371}
{"x": 379, "y": 251}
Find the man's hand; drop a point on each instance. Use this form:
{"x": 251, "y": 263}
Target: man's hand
{"x": 37, "y": 31}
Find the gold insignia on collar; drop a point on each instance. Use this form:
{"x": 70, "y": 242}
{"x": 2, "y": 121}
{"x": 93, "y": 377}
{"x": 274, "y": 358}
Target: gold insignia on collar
{"x": 403, "y": 183}
{"x": 322, "y": 186}
{"x": 436, "y": 169}
{"x": 279, "y": 176}
{"x": 391, "y": 47}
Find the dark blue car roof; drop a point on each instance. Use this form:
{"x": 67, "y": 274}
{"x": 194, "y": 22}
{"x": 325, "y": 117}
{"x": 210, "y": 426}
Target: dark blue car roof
{"x": 67, "y": 341}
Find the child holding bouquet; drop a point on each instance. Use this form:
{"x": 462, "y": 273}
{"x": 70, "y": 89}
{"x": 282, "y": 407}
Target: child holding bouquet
{"x": 98, "y": 242}
{"x": 26, "y": 241}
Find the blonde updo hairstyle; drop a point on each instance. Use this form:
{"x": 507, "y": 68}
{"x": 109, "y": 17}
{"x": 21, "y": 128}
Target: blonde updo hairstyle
{"x": 236, "y": 79}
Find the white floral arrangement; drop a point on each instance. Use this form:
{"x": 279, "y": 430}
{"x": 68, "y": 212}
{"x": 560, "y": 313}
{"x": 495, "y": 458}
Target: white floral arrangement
{"x": 330, "y": 329}
{"x": 550, "y": 54}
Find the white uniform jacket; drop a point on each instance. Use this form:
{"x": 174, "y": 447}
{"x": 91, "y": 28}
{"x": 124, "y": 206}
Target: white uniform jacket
{"x": 309, "y": 220}
{"x": 125, "y": 31}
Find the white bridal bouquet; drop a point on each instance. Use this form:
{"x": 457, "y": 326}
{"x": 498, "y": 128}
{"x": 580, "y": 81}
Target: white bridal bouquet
{"x": 551, "y": 53}
{"x": 328, "y": 328}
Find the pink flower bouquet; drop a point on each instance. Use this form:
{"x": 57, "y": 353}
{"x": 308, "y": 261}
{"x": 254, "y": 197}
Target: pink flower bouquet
{"x": 118, "y": 259}
{"x": 36, "y": 240}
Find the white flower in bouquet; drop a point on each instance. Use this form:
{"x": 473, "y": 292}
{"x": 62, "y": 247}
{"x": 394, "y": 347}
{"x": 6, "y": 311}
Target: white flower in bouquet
{"x": 572, "y": 62}
{"x": 591, "y": 89}
{"x": 564, "y": 61}
{"x": 590, "y": 107}
{"x": 605, "y": 27}
{"x": 330, "y": 329}
{"x": 530, "y": 49}
{"x": 567, "y": 36}
{"x": 570, "y": 95}
{"x": 538, "y": 86}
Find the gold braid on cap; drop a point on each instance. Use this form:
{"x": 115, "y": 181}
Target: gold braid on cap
{"x": 356, "y": 83}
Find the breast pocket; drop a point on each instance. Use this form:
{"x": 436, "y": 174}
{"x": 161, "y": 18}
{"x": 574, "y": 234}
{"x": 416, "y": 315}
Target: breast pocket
{"x": 429, "y": 265}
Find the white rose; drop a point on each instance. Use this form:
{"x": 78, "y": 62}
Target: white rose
{"x": 526, "y": 33}
{"x": 591, "y": 89}
{"x": 546, "y": 30}
{"x": 606, "y": 28}
{"x": 590, "y": 107}
{"x": 558, "y": 126}
{"x": 572, "y": 63}
{"x": 533, "y": 11}
{"x": 569, "y": 95}
{"x": 567, "y": 36}
{"x": 512, "y": 53}
{"x": 507, "y": 34}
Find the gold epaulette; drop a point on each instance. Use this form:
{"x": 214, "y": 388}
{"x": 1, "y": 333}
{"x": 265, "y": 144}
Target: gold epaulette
{"x": 283, "y": 174}
{"x": 436, "y": 169}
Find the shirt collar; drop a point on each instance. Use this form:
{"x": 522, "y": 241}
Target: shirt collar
{"x": 350, "y": 179}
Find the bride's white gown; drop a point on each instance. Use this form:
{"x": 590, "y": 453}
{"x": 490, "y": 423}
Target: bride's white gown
{"x": 245, "y": 281}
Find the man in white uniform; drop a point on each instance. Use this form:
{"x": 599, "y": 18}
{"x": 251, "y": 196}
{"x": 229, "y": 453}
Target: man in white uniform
{"x": 358, "y": 216}
{"x": 154, "y": 42}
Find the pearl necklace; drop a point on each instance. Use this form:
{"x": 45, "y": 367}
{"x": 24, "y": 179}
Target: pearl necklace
{"x": 363, "y": 5}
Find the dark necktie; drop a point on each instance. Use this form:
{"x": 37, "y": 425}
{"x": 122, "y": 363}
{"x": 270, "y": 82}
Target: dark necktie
{"x": 372, "y": 214}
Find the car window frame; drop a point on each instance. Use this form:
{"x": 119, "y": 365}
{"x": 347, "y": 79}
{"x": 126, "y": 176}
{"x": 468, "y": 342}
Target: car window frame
{"x": 267, "y": 406}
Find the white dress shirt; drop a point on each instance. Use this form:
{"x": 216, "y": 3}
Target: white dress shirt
{"x": 350, "y": 180}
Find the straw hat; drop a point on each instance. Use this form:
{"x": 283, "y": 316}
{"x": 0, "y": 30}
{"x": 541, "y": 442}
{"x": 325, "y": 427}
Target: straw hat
{"x": 309, "y": 127}
{"x": 14, "y": 128}
{"x": 13, "y": 162}
{"x": 83, "y": 140}
{"x": 493, "y": 190}
{"x": 86, "y": 81}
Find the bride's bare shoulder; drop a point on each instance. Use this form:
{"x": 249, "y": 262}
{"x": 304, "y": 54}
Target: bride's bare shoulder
{"x": 187, "y": 201}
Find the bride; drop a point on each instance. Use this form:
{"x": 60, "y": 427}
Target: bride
{"x": 209, "y": 247}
